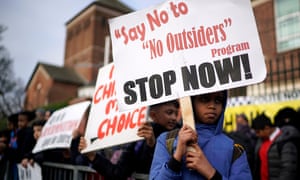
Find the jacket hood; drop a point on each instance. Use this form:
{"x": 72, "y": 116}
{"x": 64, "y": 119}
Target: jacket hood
{"x": 288, "y": 132}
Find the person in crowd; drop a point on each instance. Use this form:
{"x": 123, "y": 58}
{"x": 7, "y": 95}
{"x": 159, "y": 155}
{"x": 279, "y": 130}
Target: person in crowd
{"x": 21, "y": 143}
{"x": 275, "y": 152}
{"x": 48, "y": 113}
{"x": 8, "y": 139}
{"x": 76, "y": 157}
{"x": 135, "y": 159}
{"x": 242, "y": 125}
{"x": 39, "y": 115}
{"x": 3, "y": 156}
{"x": 245, "y": 136}
{"x": 203, "y": 153}
{"x": 12, "y": 126}
{"x": 287, "y": 116}
{"x": 38, "y": 157}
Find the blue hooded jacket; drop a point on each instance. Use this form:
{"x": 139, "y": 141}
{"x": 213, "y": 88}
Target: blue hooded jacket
{"x": 218, "y": 149}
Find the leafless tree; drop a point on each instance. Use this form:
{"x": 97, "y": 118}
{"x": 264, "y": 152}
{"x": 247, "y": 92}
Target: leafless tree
{"x": 11, "y": 89}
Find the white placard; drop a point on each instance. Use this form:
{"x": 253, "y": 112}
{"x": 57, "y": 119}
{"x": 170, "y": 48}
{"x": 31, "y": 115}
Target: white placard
{"x": 183, "y": 48}
{"x": 57, "y": 132}
{"x": 107, "y": 126}
{"x": 30, "y": 173}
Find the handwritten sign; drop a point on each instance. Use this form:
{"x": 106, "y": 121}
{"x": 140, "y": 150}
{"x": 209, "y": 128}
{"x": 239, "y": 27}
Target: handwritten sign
{"x": 107, "y": 126}
{"x": 57, "y": 132}
{"x": 183, "y": 48}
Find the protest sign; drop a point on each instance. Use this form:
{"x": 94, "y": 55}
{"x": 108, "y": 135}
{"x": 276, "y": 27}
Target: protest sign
{"x": 30, "y": 172}
{"x": 183, "y": 48}
{"x": 57, "y": 132}
{"x": 107, "y": 126}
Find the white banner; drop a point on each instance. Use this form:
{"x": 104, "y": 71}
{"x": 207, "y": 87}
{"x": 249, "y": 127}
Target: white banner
{"x": 57, "y": 132}
{"x": 30, "y": 173}
{"x": 182, "y": 48}
{"x": 107, "y": 126}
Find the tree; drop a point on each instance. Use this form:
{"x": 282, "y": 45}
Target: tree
{"x": 11, "y": 89}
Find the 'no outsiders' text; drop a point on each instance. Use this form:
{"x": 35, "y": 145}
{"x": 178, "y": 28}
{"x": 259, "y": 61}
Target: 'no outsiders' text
{"x": 188, "y": 38}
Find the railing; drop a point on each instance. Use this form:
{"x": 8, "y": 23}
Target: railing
{"x": 58, "y": 171}
{"x": 283, "y": 74}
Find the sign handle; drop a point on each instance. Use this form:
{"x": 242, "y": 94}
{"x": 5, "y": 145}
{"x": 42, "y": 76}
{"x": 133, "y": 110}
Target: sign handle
{"x": 187, "y": 111}
{"x": 187, "y": 114}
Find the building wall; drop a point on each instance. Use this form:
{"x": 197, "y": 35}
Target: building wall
{"x": 37, "y": 92}
{"x": 283, "y": 69}
{"x": 85, "y": 41}
{"x": 264, "y": 16}
{"x": 61, "y": 92}
{"x": 43, "y": 91}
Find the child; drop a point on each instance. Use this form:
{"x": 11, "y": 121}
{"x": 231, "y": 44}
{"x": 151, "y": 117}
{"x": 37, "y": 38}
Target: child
{"x": 31, "y": 158}
{"x": 212, "y": 151}
{"x": 135, "y": 159}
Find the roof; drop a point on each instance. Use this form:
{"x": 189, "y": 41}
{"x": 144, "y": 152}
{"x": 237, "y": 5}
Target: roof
{"x": 115, "y": 4}
{"x": 59, "y": 74}
{"x": 111, "y": 4}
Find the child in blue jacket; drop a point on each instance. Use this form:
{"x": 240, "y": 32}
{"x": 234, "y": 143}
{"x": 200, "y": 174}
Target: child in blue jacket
{"x": 212, "y": 151}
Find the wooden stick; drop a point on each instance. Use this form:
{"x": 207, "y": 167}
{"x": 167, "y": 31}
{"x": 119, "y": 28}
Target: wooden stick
{"x": 187, "y": 115}
{"x": 187, "y": 111}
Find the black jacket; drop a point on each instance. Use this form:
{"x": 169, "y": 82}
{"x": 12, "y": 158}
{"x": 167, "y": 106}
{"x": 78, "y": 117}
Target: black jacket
{"x": 136, "y": 157}
{"x": 282, "y": 163}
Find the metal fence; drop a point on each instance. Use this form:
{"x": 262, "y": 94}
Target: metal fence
{"x": 58, "y": 171}
{"x": 283, "y": 74}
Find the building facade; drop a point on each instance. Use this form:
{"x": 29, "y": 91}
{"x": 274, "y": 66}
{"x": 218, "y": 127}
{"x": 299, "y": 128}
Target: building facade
{"x": 86, "y": 37}
{"x": 278, "y": 24}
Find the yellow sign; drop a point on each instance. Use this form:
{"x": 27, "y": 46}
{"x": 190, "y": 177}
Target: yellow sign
{"x": 251, "y": 111}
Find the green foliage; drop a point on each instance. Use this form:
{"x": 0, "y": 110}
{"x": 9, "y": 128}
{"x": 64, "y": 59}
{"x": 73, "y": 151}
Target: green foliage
{"x": 3, "y": 124}
{"x": 56, "y": 106}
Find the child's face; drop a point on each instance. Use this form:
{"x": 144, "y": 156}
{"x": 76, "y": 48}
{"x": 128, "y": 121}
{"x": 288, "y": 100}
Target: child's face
{"x": 208, "y": 107}
{"x": 263, "y": 133}
{"x": 37, "y": 130}
{"x": 166, "y": 115}
{"x": 22, "y": 121}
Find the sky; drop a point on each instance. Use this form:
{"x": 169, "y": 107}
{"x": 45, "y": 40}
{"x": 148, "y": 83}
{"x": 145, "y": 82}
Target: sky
{"x": 36, "y": 30}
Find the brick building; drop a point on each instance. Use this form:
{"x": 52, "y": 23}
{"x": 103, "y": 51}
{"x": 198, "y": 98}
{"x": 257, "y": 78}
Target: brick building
{"x": 278, "y": 25}
{"x": 84, "y": 55}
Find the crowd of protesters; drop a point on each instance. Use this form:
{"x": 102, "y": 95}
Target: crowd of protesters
{"x": 270, "y": 145}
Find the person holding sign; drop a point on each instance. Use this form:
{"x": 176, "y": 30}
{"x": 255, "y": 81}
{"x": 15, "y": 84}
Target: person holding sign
{"x": 136, "y": 158}
{"x": 203, "y": 153}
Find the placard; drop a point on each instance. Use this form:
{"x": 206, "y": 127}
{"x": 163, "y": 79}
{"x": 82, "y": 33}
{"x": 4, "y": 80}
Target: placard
{"x": 183, "y": 48}
{"x": 107, "y": 126}
{"x": 57, "y": 132}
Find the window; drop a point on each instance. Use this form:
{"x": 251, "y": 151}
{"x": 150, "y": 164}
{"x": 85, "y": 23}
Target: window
{"x": 287, "y": 20}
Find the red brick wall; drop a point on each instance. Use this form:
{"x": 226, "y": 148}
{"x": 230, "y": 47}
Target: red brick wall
{"x": 280, "y": 66}
{"x": 85, "y": 42}
{"x": 264, "y": 15}
{"x": 37, "y": 91}
{"x": 49, "y": 92}
{"x": 61, "y": 92}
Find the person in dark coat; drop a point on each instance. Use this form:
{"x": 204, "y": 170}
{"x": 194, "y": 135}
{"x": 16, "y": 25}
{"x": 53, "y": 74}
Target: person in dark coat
{"x": 135, "y": 159}
{"x": 275, "y": 151}
{"x": 22, "y": 142}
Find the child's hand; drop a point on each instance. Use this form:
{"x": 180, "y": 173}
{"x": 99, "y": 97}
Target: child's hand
{"x": 25, "y": 162}
{"x": 196, "y": 160}
{"x": 186, "y": 136}
{"x": 82, "y": 145}
{"x": 146, "y": 131}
